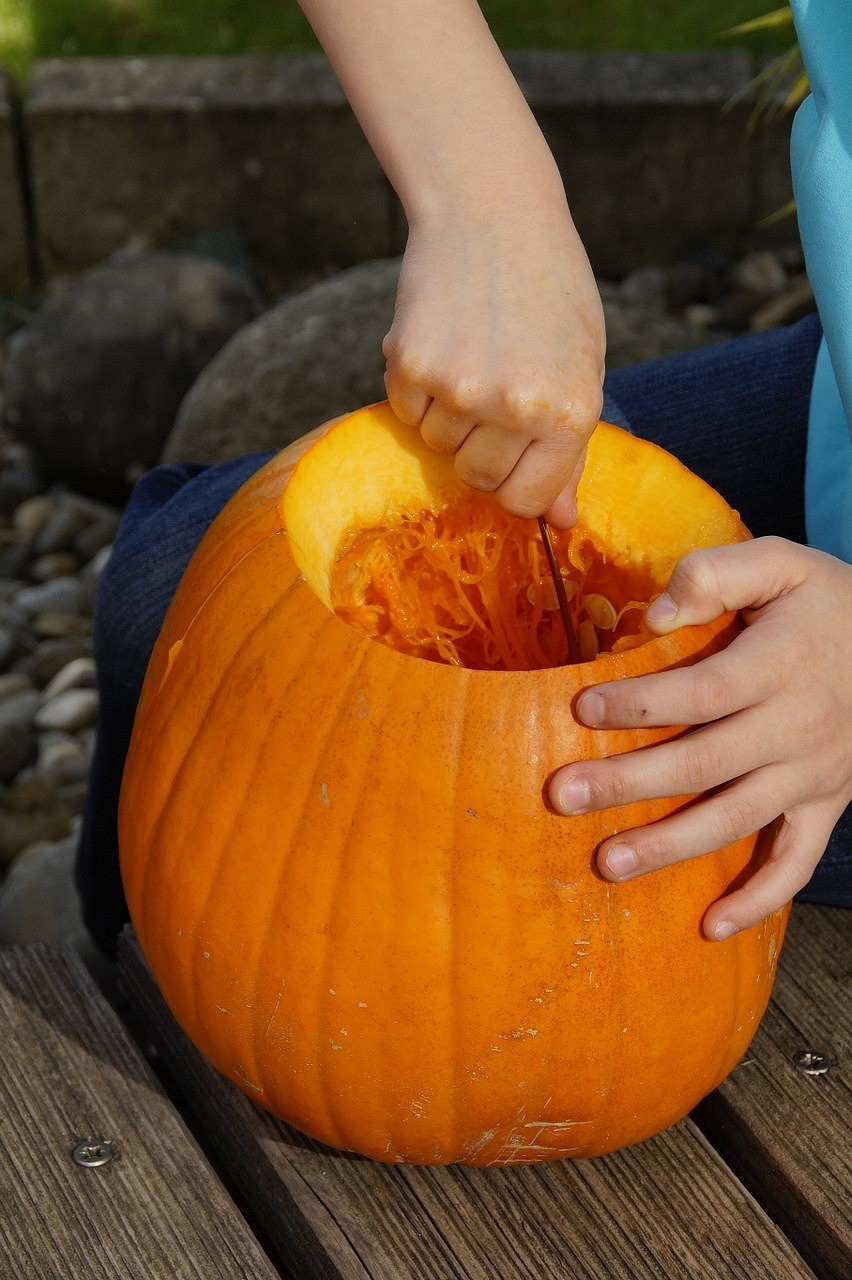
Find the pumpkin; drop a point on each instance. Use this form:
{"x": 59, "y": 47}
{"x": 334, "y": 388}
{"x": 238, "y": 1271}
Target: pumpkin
{"x": 340, "y": 860}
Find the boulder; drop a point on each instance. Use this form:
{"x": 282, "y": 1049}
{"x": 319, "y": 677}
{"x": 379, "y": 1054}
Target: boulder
{"x": 94, "y": 383}
{"x": 309, "y": 358}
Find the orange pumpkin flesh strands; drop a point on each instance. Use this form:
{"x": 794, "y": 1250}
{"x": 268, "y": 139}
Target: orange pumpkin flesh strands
{"x": 471, "y": 586}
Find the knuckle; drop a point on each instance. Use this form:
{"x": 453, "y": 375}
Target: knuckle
{"x": 461, "y": 395}
{"x": 698, "y": 766}
{"x": 709, "y": 692}
{"x": 520, "y": 405}
{"x": 656, "y": 849}
{"x": 737, "y": 817}
{"x": 695, "y": 574}
{"x": 523, "y": 507}
{"x": 478, "y": 475}
{"x": 612, "y": 789}
{"x": 582, "y": 409}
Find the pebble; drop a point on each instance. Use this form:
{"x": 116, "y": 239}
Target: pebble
{"x": 98, "y": 535}
{"x": 17, "y": 732}
{"x": 9, "y": 646}
{"x": 59, "y": 595}
{"x": 93, "y": 570}
{"x": 761, "y": 273}
{"x": 56, "y": 564}
{"x": 51, "y": 656}
{"x": 61, "y": 759}
{"x": 79, "y": 673}
{"x": 32, "y": 515}
{"x": 14, "y": 682}
{"x": 53, "y": 625}
{"x": 70, "y": 516}
{"x": 19, "y": 477}
{"x": 69, "y": 711}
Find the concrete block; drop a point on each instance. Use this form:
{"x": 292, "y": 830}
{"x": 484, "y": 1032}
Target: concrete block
{"x": 14, "y": 256}
{"x": 151, "y": 152}
{"x": 655, "y": 165}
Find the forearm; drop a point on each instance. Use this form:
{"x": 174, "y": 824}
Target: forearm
{"x": 437, "y": 103}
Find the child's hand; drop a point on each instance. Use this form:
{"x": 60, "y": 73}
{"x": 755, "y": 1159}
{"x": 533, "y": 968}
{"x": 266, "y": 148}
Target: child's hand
{"x": 775, "y": 710}
{"x": 497, "y": 352}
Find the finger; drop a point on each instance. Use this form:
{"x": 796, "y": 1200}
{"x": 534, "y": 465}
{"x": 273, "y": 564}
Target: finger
{"x": 487, "y": 456}
{"x": 406, "y": 390}
{"x": 543, "y": 471}
{"x": 726, "y": 682}
{"x": 711, "y": 823}
{"x": 797, "y": 848}
{"x": 690, "y": 765}
{"x": 562, "y": 512}
{"x": 443, "y": 430}
{"x": 715, "y": 580}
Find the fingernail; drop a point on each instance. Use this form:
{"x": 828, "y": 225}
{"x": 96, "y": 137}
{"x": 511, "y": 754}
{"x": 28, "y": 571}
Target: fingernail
{"x": 573, "y": 796}
{"x": 591, "y": 708}
{"x": 621, "y": 860}
{"x": 724, "y": 929}
{"x": 663, "y": 609}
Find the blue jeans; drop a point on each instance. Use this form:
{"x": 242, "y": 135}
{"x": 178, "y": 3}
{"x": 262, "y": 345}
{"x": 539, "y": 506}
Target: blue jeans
{"x": 736, "y": 414}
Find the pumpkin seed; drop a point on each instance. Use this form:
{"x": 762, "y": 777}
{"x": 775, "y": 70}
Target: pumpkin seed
{"x": 587, "y": 639}
{"x": 601, "y": 611}
{"x": 546, "y": 591}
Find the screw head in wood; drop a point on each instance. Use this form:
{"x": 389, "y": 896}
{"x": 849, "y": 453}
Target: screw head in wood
{"x": 93, "y": 1152}
{"x": 811, "y": 1062}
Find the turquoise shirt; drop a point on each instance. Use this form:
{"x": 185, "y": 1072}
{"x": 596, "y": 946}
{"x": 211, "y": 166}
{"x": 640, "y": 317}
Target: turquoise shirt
{"x": 821, "y": 152}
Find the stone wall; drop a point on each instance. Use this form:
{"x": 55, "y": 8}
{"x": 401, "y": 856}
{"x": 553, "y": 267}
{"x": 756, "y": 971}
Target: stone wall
{"x": 154, "y": 152}
{"x": 14, "y": 241}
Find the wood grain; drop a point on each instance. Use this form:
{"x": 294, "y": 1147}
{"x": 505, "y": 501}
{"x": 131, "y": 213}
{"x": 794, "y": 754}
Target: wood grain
{"x": 789, "y": 1135}
{"x": 669, "y": 1208}
{"x": 69, "y": 1072}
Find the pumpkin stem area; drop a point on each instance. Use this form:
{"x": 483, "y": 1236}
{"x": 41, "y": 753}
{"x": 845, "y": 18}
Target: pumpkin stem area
{"x": 470, "y": 586}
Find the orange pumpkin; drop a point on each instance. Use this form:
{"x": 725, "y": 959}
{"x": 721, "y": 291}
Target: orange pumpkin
{"x": 341, "y": 865}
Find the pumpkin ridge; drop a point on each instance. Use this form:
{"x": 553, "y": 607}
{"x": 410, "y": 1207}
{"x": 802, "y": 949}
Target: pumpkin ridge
{"x": 282, "y": 885}
{"x": 201, "y": 1010}
{"x": 275, "y": 720}
{"x": 178, "y": 780}
{"x": 176, "y": 644}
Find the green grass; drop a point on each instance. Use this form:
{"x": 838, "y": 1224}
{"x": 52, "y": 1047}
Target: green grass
{"x": 64, "y": 28}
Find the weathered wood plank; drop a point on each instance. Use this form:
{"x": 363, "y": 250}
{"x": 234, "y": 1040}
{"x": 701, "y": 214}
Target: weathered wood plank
{"x": 667, "y": 1209}
{"x": 70, "y": 1072}
{"x": 787, "y": 1134}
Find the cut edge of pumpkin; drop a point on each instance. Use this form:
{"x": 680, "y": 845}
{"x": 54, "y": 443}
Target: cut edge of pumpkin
{"x": 637, "y": 501}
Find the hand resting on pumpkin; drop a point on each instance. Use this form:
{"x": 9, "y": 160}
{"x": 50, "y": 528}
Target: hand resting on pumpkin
{"x": 774, "y": 725}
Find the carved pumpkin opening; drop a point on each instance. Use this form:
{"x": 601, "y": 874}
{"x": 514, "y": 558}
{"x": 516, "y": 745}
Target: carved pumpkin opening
{"x": 392, "y": 541}
{"x": 470, "y": 586}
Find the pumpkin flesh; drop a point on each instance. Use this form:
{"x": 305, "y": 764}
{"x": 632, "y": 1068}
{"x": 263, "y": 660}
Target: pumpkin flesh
{"x": 375, "y": 926}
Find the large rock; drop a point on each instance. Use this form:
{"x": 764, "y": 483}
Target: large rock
{"x": 95, "y": 382}
{"x": 313, "y": 356}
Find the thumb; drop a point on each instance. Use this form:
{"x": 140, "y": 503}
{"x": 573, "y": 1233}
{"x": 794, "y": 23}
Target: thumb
{"x": 715, "y": 580}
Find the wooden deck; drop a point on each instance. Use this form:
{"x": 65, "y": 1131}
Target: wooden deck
{"x": 104, "y": 1175}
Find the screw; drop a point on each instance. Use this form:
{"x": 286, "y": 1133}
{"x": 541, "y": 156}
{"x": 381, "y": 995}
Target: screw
{"x": 811, "y": 1062}
{"x": 93, "y": 1152}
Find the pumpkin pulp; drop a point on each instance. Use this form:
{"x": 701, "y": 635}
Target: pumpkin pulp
{"x": 406, "y": 553}
{"x": 471, "y": 586}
